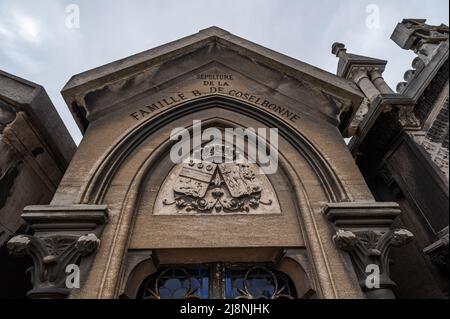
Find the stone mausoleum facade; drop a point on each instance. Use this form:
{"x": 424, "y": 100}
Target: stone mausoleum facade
{"x": 357, "y": 207}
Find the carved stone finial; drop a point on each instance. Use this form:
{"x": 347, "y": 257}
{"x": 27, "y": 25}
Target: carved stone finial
{"x": 410, "y": 34}
{"x": 360, "y": 69}
{"x": 338, "y": 48}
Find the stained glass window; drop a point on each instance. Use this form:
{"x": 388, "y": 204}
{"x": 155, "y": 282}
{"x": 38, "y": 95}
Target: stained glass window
{"x": 236, "y": 281}
{"x": 258, "y": 283}
{"x": 177, "y": 283}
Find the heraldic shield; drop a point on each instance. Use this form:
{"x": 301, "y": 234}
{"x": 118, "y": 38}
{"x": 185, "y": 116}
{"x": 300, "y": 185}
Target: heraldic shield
{"x": 208, "y": 187}
{"x": 194, "y": 179}
{"x": 240, "y": 179}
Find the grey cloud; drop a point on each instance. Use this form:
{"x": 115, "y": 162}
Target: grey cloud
{"x": 39, "y": 47}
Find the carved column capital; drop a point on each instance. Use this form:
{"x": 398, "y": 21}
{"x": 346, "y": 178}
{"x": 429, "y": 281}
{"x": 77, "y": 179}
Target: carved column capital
{"x": 439, "y": 252}
{"x": 369, "y": 247}
{"x": 358, "y": 73}
{"x": 62, "y": 236}
{"x": 363, "y": 231}
{"x": 407, "y": 117}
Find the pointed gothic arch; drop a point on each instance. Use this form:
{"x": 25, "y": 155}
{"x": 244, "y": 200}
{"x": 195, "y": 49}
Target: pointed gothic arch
{"x": 103, "y": 171}
{"x": 118, "y": 233}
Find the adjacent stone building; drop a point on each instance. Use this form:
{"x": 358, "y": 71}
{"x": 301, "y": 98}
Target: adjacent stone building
{"x": 401, "y": 147}
{"x": 220, "y": 223}
{"x": 35, "y": 150}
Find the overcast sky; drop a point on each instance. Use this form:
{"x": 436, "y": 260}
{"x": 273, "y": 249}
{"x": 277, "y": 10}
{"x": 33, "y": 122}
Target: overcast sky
{"x": 36, "y": 44}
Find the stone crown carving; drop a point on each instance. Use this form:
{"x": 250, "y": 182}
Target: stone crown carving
{"x": 219, "y": 187}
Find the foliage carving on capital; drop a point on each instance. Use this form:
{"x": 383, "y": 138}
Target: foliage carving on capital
{"x": 370, "y": 247}
{"x": 87, "y": 244}
{"x": 51, "y": 255}
{"x": 407, "y": 117}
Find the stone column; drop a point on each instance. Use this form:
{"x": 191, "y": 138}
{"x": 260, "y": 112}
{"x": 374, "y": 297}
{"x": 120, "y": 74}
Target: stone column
{"x": 378, "y": 80}
{"x": 363, "y": 231}
{"x": 63, "y": 236}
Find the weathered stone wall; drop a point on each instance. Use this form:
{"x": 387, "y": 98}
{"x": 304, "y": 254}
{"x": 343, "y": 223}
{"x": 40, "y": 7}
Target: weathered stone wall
{"x": 435, "y": 141}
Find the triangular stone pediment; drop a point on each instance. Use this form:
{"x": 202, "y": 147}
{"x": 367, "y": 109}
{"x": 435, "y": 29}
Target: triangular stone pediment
{"x": 283, "y": 98}
{"x": 202, "y": 63}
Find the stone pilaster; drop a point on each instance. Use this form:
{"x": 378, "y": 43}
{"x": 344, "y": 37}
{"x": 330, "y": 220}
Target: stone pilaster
{"x": 63, "y": 236}
{"x": 363, "y": 230}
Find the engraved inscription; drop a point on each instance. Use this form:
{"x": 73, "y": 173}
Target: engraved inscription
{"x": 215, "y": 84}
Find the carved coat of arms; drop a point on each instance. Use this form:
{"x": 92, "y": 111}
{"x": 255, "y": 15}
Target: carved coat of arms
{"x": 207, "y": 187}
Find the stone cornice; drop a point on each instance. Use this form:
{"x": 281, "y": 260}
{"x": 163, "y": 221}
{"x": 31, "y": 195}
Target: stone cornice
{"x": 356, "y": 215}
